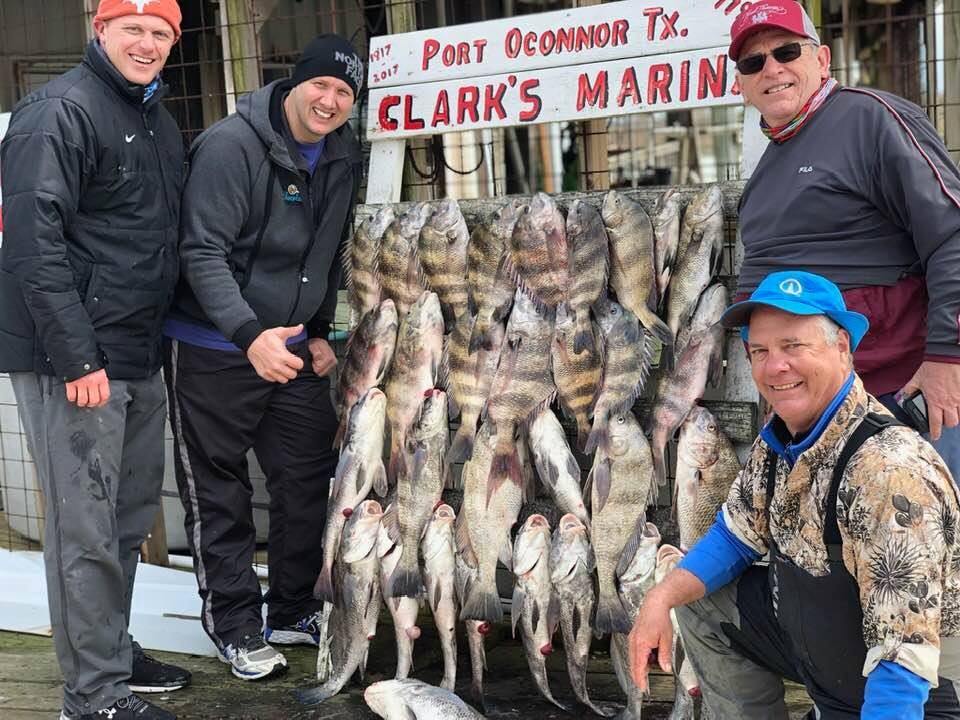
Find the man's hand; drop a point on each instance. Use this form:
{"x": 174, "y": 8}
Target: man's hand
{"x": 940, "y": 384}
{"x": 269, "y": 355}
{"x": 324, "y": 361}
{"x": 89, "y": 391}
{"x": 652, "y": 631}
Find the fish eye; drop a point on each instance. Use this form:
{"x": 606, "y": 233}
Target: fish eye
{"x": 621, "y": 420}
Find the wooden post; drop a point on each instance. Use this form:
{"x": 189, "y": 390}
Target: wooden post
{"x": 593, "y": 150}
{"x": 241, "y": 49}
{"x": 950, "y": 100}
{"x": 153, "y": 550}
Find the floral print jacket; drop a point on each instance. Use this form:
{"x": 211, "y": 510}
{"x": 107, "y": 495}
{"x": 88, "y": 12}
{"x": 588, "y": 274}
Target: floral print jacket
{"x": 897, "y": 511}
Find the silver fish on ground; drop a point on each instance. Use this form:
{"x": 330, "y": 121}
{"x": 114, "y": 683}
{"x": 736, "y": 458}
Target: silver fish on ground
{"x": 535, "y": 607}
{"x": 620, "y": 481}
{"x": 556, "y": 465}
{"x": 699, "y": 257}
{"x": 576, "y": 375}
{"x": 539, "y": 253}
{"x": 403, "y": 610}
{"x": 468, "y": 381}
{"x": 438, "y": 549}
{"x": 483, "y": 528}
{"x": 590, "y": 265}
{"x": 700, "y": 362}
{"x": 666, "y": 239}
{"x": 572, "y": 563}
{"x": 359, "y": 470}
{"x": 401, "y": 276}
{"x": 490, "y": 284}
{"x": 354, "y": 615}
{"x": 628, "y": 354}
{"x": 360, "y": 260}
{"x": 414, "y": 372}
{"x": 632, "y": 272}
{"x": 522, "y": 386}
{"x": 419, "y": 487}
{"x": 416, "y": 700}
{"x": 443, "y": 256}
{"x": 369, "y": 354}
{"x": 707, "y": 465}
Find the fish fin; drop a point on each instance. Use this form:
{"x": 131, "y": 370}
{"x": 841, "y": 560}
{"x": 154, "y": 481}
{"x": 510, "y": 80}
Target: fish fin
{"x": 583, "y": 433}
{"x": 667, "y": 358}
{"x": 418, "y": 465}
{"x": 323, "y": 588}
{"x": 633, "y": 544}
{"x": 506, "y": 552}
{"x": 464, "y": 543}
{"x": 657, "y": 327}
{"x": 478, "y": 335}
{"x": 462, "y": 447}
{"x": 346, "y": 464}
{"x": 435, "y": 597}
{"x": 576, "y": 621}
{"x": 391, "y": 522}
{"x": 611, "y": 617}
{"x": 314, "y": 696}
{"x": 588, "y": 490}
{"x": 380, "y": 486}
{"x": 602, "y": 479}
{"x": 534, "y": 615}
{"x": 405, "y": 582}
{"x": 715, "y": 369}
{"x": 482, "y": 604}
{"x": 505, "y": 466}
{"x": 598, "y": 433}
{"x": 516, "y": 609}
{"x": 453, "y": 407}
{"x": 659, "y": 461}
{"x": 583, "y": 339}
{"x": 553, "y": 614}
{"x": 341, "y": 433}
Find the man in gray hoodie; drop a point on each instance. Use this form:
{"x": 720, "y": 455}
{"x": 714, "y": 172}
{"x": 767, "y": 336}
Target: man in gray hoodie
{"x": 267, "y": 205}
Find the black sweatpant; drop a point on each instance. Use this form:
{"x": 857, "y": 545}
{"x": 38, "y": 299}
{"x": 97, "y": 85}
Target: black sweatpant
{"x": 219, "y": 409}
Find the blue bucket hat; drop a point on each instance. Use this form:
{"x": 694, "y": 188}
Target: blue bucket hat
{"x": 798, "y": 293}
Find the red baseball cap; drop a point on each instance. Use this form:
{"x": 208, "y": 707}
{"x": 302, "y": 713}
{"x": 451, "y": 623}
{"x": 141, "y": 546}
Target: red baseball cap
{"x": 168, "y": 10}
{"x": 786, "y": 15}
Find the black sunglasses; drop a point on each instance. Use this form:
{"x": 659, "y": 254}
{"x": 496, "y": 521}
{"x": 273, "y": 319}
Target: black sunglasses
{"x": 784, "y": 54}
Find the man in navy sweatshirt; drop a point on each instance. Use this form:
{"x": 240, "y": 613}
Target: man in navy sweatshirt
{"x": 861, "y": 599}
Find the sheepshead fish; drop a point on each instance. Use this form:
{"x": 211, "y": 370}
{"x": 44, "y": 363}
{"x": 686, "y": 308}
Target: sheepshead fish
{"x": 438, "y": 549}
{"x": 468, "y": 381}
{"x": 416, "y": 364}
{"x": 359, "y": 470}
{"x": 416, "y": 700}
{"x": 590, "y": 256}
{"x": 620, "y": 481}
{"x": 632, "y": 272}
{"x": 418, "y": 490}
{"x": 556, "y": 465}
{"x": 576, "y": 375}
{"x": 626, "y": 365}
{"x": 399, "y": 270}
{"x": 357, "y": 605}
{"x": 443, "y": 256}
{"x": 403, "y": 610}
{"x": 489, "y": 278}
{"x": 369, "y": 353}
{"x": 699, "y": 257}
{"x": 700, "y": 361}
{"x": 535, "y": 607}
{"x": 539, "y": 253}
{"x": 523, "y": 383}
{"x": 707, "y": 465}
{"x": 483, "y": 529}
{"x": 572, "y": 563}
{"x": 361, "y": 257}
{"x": 666, "y": 238}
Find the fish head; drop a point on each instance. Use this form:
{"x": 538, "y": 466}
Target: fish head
{"x": 644, "y": 563}
{"x": 609, "y": 313}
{"x": 700, "y": 438}
{"x": 565, "y": 322}
{"x": 613, "y": 209}
{"x": 524, "y": 317}
{"x": 624, "y": 434}
{"x": 432, "y": 418}
{"x": 368, "y": 412}
{"x": 704, "y": 205}
{"x": 413, "y": 220}
{"x": 425, "y": 315}
{"x": 667, "y": 558}
{"x": 668, "y": 202}
{"x": 445, "y": 214}
{"x": 381, "y": 220}
{"x": 361, "y": 532}
{"x": 532, "y": 543}
{"x": 505, "y": 219}
{"x": 542, "y": 218}
{"x": 385, "y": 320}
{"x": 710, "y": 308}
{"x": 385, "y": 698}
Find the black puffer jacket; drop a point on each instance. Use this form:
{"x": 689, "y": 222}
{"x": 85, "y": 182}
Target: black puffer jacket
{"x": 91, "y": 187}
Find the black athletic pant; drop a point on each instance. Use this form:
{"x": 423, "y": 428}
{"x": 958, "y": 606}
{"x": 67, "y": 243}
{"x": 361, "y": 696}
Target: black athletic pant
{"x": 219, "y": 409}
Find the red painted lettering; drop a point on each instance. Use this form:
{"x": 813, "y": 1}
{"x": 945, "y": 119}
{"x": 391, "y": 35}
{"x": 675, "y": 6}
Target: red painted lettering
{"x": 710, "y": 79}
{"x": 547, "y": 41}
{"x": 430, "y": 48}
{"x": 602, "y": 35}
{"x": 584, "y": 38}
{"x": 652, "y": 15}
{"x": 565, "y": 37}
{"x": 511, "y": 43}
{"x": 449, "y": 55}
{"x": 441, "y": 110}
{"x": 467, "y": 100}
{"x": 629, "y": 87}
{"x": 592, "y": 94}
{"x": 387, "y": 122}
{"x": 620, "y": 28}
{"x": 463, "y": 53}
{"x": 684, "y": 81}
{"x": 409, "y": 121}
{"x": 669, "y": 25}
{"x": 493, "y": 101}
{"x": 530, "y": 44}
{"x": 658, "y": 81}
{"x": 528, "y": 98}
{"x": 479, "y": 45}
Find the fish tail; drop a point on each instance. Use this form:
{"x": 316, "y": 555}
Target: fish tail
{"x": 583, "y": 338}
{"x": 598, "y": 434}
{"x": 323, "y": 588}
{"x": 661, "y": 331}
{"x": 667, "y": 359}
{"x": 659, "y": 462}
{"x": 341, "y": 432}
{"x": 482, "y": 603}
{"x": 611, "y": 617}
{"x": 406, "y": 580}
{"x": 478, "y": 336}
{"x": 314, "y": 696}
{"x": 462, "y": 446}
{"x": 583, "y": 433}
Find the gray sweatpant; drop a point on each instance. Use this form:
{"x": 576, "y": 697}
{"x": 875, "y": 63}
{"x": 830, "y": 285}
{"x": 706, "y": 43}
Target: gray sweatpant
{"x": 101, "y": 471}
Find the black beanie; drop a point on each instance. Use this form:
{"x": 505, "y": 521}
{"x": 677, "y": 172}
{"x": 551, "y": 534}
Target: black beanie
{"x": 332, "y": 56}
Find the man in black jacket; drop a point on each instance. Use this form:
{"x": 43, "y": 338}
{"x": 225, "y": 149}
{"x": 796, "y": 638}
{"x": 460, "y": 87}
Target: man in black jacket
{"x": 267, "y": 205}
{"x": 92, "y": 173}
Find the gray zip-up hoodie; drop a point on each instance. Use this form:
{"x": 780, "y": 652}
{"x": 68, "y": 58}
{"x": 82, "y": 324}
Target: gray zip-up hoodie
{"x": 259, "y": 237}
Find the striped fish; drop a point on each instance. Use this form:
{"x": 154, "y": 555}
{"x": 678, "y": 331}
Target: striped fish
{"x": 589, "y": 249}
{"x": 401, "y": 277}
{"x": 666, "y": 238}
{"x": 576, "y": 375}
{"x": 539, "y": 253}
{"x": 488, "y": 273}
{"x": 443, "y": 255}
{"x": 361, "y": 256}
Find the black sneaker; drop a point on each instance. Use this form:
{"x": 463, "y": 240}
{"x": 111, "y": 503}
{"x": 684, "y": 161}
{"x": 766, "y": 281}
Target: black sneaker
{"x": 149, "y": 675}
{"x": 128, "y": 708}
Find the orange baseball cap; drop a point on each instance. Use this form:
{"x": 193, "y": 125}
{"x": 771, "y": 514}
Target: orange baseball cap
{"x": 166, "y": 9}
